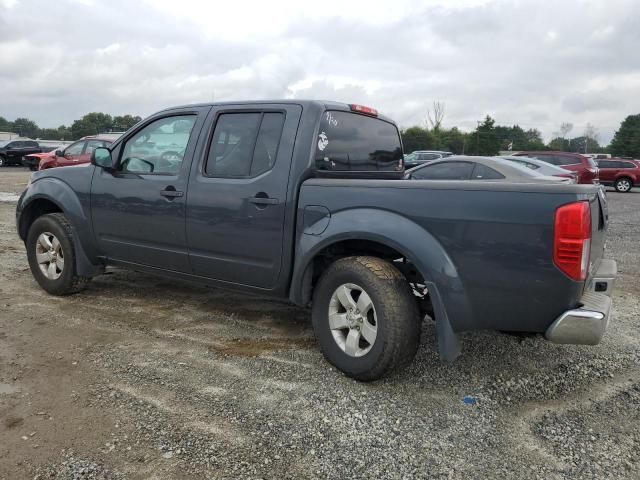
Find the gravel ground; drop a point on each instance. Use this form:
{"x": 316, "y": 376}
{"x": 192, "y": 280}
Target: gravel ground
{"x": 144, "y": 378}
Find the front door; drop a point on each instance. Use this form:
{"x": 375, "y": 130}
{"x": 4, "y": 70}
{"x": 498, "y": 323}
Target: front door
{"x": 71, "y": 154}
{"x": 237, "y": 194}
{"x": 138, "y": 211}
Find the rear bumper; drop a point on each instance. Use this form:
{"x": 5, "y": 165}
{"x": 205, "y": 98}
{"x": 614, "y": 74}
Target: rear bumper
{"x": 586, "y": 325}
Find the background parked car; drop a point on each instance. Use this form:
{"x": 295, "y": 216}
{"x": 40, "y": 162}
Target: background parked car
{"x": 12, "y": 151}
{"x": 460, "y": 167}
{"x": 585, "y": 167}
{"x": 420, "y": 157}
{"x": 619, "y": 173}
{"x": 543, "y": 167}
{"x": 77, "y": 153}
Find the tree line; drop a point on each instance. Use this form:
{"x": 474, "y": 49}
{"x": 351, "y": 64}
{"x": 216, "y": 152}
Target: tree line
{"x": 489, "y": 138}
{"x": 90, "y": 124}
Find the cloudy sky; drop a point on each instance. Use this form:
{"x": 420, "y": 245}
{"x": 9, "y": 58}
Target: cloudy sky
{"x": 536, "y": 63}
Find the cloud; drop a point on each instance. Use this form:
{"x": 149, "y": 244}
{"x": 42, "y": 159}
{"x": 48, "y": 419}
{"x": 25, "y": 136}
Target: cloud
{"x": 532, "y": 63}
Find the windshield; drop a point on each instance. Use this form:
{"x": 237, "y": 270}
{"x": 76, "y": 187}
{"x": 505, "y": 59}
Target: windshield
{"x": 4, "y": 143}
{"x": 592, "y": 162}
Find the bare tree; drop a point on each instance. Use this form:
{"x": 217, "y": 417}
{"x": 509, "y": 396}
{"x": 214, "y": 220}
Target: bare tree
{"x": 590, "y": 135}
{"x": 435, "y": 115}
{"x": 565, "y": 128}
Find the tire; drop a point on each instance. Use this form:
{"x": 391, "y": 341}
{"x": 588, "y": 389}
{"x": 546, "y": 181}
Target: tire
{"x": 392, "y": 312}
{"x": 62, "y": 278}
{"x": 3, "y": 162}
{"x": 623, "y": 185}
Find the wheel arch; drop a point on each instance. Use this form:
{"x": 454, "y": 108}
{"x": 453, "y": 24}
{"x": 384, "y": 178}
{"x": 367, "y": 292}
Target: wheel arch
{"x": 51, "y": 195}
{"x": 370, "y": 231}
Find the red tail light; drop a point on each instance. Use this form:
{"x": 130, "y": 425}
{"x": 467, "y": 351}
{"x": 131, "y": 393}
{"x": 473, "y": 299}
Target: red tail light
{"x": 362, "y": 109}
{"x": 572, "y": 239}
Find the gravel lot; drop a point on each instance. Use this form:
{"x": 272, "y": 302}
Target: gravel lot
{"x": 144, "y": 378}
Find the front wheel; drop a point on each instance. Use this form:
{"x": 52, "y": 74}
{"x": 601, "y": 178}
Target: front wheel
{"x": 623, "y": 185}
{"x": 3, "y": 162}
{"x": 51, "y": 255}
{"x": 365, "y": 317}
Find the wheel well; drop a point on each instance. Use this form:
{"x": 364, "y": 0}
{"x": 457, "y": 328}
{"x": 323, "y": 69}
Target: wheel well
{"x": 35, "y": 209}
{"x": 349, "y": 248}
{"x": 626, "y": 178}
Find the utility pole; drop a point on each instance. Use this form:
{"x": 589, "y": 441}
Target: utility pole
{"x": 478, "y": 138}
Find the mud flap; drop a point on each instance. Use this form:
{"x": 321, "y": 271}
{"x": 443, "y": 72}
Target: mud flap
{"x": 84, "y": 266}
{"x": 448, "y": 341}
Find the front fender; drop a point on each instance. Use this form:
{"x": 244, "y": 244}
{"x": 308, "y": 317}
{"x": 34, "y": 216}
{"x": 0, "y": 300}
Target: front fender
{"x": 405, "y": 236}
{"x": 73, "y": 206}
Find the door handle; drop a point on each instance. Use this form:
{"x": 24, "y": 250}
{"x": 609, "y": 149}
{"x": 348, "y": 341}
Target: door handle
{"x": 171, "y": 192}
{"x": 264, "y": 200}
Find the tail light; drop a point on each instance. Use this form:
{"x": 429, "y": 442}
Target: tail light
{"x": 362, "y": 109}
{"x": 572, "y": 239}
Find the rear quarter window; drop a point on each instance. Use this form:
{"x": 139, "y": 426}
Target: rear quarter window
{"x": 350, "y": 142}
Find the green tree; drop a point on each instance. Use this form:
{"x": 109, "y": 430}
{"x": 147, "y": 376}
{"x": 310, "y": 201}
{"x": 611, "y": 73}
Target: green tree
{"x": 60, "y": 133}
{"x": 454, "y": 141}
{"x": 583, "y": 144}
{"x": 25, "y": 127}
{"x": 417, "y": 138}
{"x": 486, "y": 139}
{"x": 125, "y": 122}
{"x": 5, "y": 125}
{"x": 91, "y": 124}
{"x": 626, "y": 141}
{"x": 559, "y": 144}
{"x": 521, "y": 139}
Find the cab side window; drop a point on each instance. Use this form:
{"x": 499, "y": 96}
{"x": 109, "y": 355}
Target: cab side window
{"x": 244, "y": 144}
{"x": 159, "y": 147}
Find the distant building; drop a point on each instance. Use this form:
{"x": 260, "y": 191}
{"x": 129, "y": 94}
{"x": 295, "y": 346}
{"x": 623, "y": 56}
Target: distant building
{"x": 8, "y": 136}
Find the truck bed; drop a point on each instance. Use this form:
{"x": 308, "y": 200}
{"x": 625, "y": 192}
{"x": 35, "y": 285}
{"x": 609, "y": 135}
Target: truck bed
{"x": 498, "y": 238}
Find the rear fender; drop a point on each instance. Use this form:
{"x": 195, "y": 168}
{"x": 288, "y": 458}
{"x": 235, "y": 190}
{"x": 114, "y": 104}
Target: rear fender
{"x": 418, "y": 246}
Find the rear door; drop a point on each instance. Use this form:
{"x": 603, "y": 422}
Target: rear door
{"x": 237, "y": 194}
{"x": 607, "y": 170}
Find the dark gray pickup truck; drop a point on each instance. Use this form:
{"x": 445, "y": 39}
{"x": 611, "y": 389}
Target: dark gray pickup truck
{"x": 304, "y": 200}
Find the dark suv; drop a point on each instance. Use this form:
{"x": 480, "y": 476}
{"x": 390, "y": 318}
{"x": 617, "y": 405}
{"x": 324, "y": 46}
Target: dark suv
{"x": 12, "y": 151}
{"x": 585, "y": 167}
{"x": 619, "y": 173}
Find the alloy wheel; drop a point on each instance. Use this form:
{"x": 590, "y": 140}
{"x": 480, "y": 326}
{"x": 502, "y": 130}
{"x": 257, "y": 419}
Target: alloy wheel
{"x": 352, "y": 320}
{"x": 49, "y": 255}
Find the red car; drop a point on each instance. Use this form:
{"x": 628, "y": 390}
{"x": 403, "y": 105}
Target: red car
{"x": 585, "y": 167}
{"x": 620, "y": 173}
{"x": 75, "y": 154}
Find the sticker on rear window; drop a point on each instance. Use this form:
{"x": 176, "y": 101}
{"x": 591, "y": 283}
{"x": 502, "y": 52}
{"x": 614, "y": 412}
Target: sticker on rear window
{"x": 323, "y": 141}
{"x": 331, "y": 120}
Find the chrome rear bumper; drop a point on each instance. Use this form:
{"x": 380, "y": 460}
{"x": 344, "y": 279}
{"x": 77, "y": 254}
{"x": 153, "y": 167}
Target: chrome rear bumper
{"x": 586, "y": 325}
{"x": 582, "y": 326}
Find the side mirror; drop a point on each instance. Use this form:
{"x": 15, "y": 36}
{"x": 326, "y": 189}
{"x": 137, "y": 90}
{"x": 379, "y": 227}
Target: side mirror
{"x": 101, "y": 157}
{"x": 59, "y": 153}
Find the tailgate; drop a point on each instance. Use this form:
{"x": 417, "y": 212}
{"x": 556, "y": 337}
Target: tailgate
{"x": 599, "y": 221}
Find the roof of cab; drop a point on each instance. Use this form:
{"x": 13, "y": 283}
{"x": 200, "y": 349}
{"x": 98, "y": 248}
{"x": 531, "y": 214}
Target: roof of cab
{"x": 321, "y": 104}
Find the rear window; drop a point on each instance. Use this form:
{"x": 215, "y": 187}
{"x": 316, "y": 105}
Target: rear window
{"x": 358, "y": 143}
